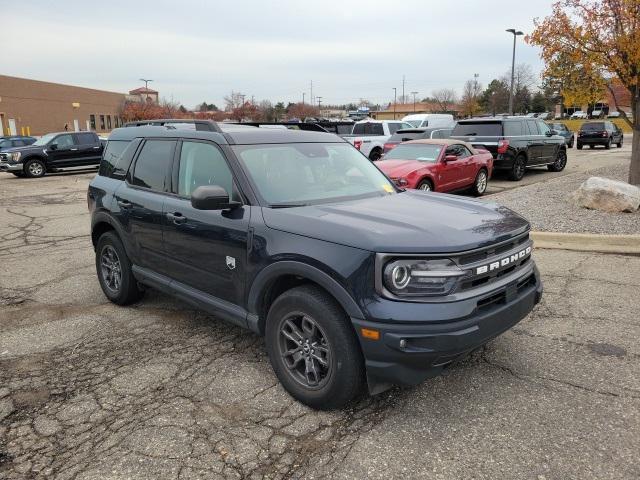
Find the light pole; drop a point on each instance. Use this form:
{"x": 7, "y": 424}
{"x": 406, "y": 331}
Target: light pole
{"x": 513, "y": 65}
{"x": 414, "y": 101}
{"x": 395, "y": 92}
{"x": 146, "y": 85}
{"x": 303, "y": 94}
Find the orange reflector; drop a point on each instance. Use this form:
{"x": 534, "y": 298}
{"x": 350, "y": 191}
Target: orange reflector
{"x": 370, "y": 334}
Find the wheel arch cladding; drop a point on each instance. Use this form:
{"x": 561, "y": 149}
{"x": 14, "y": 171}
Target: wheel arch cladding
{"x": 281, "y": 276}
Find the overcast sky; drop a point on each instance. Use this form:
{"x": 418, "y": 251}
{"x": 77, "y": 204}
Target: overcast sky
{"x": 201, "y": 50}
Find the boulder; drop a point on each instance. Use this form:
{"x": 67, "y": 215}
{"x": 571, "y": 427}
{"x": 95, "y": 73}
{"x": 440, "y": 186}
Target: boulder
{"x": 607, "y": 195}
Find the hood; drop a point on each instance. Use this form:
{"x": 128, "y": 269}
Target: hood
{"x": 25, "y": 148}
{"x": 408, "y": 222}
{"x": 402, "y": 168}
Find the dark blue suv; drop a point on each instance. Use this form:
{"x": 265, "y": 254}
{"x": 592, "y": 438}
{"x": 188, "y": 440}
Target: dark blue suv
{"x": 300, "y": 238}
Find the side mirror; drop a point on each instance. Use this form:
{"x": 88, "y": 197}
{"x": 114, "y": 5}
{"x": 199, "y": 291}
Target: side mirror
{"x": 212, "y": 197}
{"x": 551, "y": 133}
{"x": 450, "y": 158}
{"x": 53, "y": 146}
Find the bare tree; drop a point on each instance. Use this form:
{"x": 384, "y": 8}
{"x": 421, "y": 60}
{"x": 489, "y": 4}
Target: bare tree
{"x": 233, "y": 100}
{"x": 445, "y": 98}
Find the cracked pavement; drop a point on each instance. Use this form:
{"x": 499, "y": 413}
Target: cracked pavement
{"x": 159, "y": 390}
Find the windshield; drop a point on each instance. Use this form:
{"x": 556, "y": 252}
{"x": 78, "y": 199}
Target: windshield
{"x": 414, "y": 123}
{"x": 422, "y": 152}
{"x": 310, "y": 173}
{"x": 45, "y": 139}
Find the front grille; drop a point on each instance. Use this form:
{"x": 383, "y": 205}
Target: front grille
{"x": 491, "y": 255}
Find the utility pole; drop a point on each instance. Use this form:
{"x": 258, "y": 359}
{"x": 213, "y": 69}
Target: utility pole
{"x": 513, "y": 65}
{"x": 242, "y": 107}
{"x": 311, "y": 95}
{"x": 403, "y": 99}
{"x": 395, "y": 91}
{"x": 319, "y": 102}
{"x": 303, "y": 93}
{"x": 414, "y": 101}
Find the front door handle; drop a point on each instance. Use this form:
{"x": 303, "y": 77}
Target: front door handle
{"x": 176, "y": 217}
{"x": 73, "y": 149}
{"x": 124, "y": 204}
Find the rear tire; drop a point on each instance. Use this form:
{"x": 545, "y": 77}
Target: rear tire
{"x": 114, "y": 271}
{"x": 579, "y": 146}
{"x": 592, "y": 146}
{"x": 313, "y": 349}
{"x": 35, "y": 168}
{"x": 375, "y": 154}
{"x": 480, "y": 183}
{"x": 560, "y": 163}
{"x": 518, "y": 168}
{"x": 425, "y": 186}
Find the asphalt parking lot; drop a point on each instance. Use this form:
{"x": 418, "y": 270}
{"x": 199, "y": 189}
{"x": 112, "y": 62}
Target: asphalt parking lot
{"x": 158, "y": 390}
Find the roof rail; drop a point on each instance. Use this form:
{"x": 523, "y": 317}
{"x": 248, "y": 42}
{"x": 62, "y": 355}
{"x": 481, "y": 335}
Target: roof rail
{"x": 200, "y": 125}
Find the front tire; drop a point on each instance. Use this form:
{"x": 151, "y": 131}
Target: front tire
{"x": 35, "y": 168}
{"x": 480, "y": 184}
{"x": 560, "y": 163}
{"x": 608, "y": 145}
{"x": 620, "y": 143}
{"x": 518, "y": 168}
{"x": 114, "y": 271}
{"x": 425, "y": 186}
{"x": 313, "y": 349}
{"x": 571, "y": 140}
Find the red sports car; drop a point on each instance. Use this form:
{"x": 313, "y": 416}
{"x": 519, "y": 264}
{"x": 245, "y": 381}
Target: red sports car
{"x": 440, "y": 165}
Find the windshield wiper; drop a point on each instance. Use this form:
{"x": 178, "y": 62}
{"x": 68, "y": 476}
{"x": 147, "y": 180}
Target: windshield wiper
{"x": 288, "y": 205}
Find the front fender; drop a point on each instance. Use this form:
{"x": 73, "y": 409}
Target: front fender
{"x": 270, "y": 273}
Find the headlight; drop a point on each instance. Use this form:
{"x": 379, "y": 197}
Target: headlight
{"x": 15, "y": 156}
{"x": 420, "y": 277}
{"x": 402, "y": 182}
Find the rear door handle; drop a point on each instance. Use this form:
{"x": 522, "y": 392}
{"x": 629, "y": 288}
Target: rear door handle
{"x": 96, "y": 148}
{"x": 73, "y": 149}
{"x": 176, "y": 217}
{"x": 124, "y": 204}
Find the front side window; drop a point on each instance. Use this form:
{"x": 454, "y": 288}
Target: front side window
{"x": 311, "y": 173}
{"x": 533, "y": 127}
{"x": 394, "y": 127}
{"x": 153, "y": 164}
{"x": 202, "y": 164}
{"x": 543, "y": 127}
{"x": 64, "y": 141}
{"x": 423, "y": 152}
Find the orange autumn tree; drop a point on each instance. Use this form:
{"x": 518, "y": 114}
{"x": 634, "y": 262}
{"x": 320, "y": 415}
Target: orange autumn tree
{"x": 601, "y": 38}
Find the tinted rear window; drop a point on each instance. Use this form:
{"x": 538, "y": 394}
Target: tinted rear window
{"x": 596, "y": 126}
{"x": 478, "y": 129}
{"x": 112, "y": 153}
{"x": 153, "y": 164}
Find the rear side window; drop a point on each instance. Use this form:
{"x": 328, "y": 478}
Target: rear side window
{"x": 478, "y": 129}
{"x": 512, "y": 129}
{"x": 153, "y": 163}
{"x": 368, "y": 129}
{"x": 112, "y": 153}
{"x": 593, "y": 127}
{"x": 86, "y": 138}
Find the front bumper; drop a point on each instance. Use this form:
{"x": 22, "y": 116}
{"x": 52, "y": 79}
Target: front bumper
{"x": 408, "y": 353}
{"x": 11, "y": 167}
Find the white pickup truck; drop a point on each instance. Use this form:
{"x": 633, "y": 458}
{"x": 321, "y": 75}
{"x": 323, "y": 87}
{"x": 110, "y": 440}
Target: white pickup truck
{"x": 369, "y": 136}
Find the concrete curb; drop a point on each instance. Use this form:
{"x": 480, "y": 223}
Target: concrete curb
{"x": 588, "y": 242}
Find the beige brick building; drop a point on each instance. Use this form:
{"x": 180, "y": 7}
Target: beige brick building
{"x": 34, "y": 107}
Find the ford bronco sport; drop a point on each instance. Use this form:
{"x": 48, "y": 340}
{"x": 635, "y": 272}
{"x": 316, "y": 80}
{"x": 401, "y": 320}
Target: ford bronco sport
{"x": 300, "y": 238}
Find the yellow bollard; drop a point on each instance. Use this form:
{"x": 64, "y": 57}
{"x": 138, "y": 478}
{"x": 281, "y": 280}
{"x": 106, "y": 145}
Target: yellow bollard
{"x": 22, "y": 131}
{"x": 28, "y": 131}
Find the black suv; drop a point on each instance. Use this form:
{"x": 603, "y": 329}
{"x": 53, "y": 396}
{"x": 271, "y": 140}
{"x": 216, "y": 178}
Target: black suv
{"x": 300, "y": 238}
{"x": 599, "y": 133}
{"x": 515, "y": 142}
{"x": 52, "y": 152}
{"x": 12, "y": 141}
